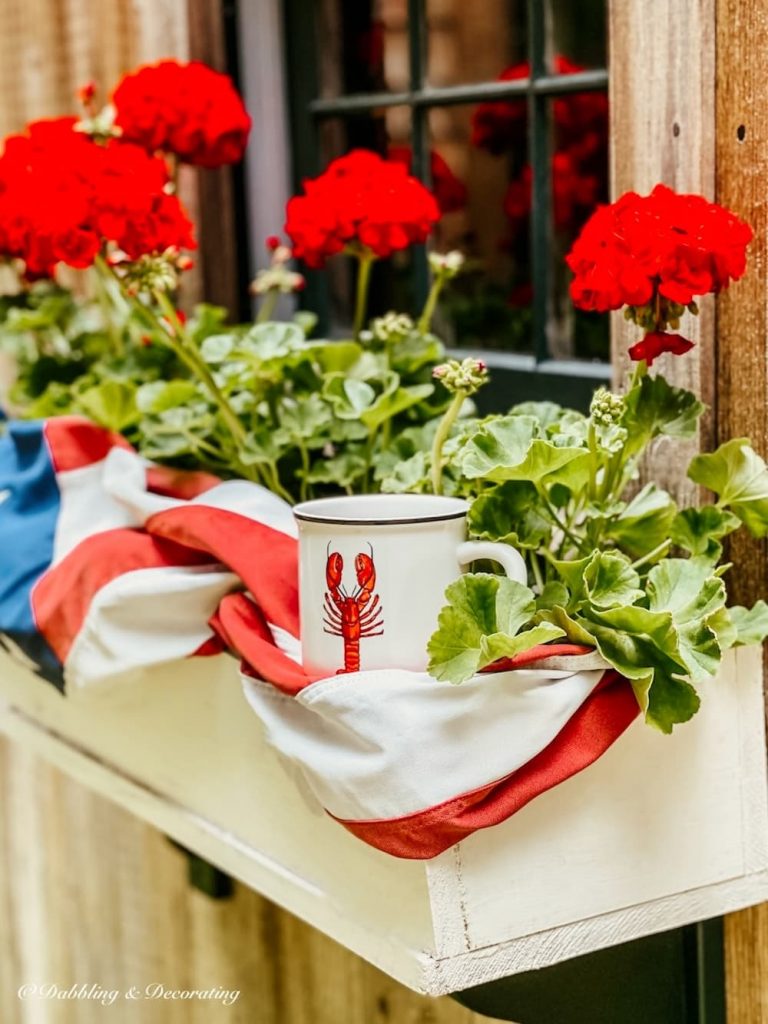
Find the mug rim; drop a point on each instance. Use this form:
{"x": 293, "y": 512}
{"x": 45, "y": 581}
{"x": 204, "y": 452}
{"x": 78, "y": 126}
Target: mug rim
{"x": 321, "y": 510}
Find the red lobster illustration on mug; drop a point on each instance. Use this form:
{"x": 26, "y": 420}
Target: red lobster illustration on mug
{"x": 352, "y": 616}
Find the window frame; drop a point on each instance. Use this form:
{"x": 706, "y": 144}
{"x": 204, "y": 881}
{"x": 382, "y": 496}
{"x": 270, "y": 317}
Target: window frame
{"x": 518, "y": 376}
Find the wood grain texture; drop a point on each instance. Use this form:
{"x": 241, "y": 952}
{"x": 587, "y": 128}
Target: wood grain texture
{"x": 742, "y": 363}
{"x": 662, "y": 93}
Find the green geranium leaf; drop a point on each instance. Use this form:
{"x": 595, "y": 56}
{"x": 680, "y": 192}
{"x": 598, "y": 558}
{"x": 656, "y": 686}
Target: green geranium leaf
{"x": 739, "y": 477}
{"x": 692, "y": 594}
{"x": 207, "y": 320}
{"x": 415, "y": 352}
{"x": 343, "y": 470}
{"x": 643, "y": 646}
{"x": 546, "y": 414}
{"x": 305, "y": 420}
{"x": 511, "y": 512}
{"x": 111, "y": 404}
{"x": 575, "y": 630}
{"x": 644, "y": 523}
{"x": 391, "y": 404}
{"x": 555, "y": 594}
{"x": 217, "y": 347}
{"x": 699, "y": 530}
{"x": 160, "y": 395}
{"x": 407, "y": 475}
{"x": 654, "y": 407}
{"x": 306, "y": 320}
{"x": 751, "y": 624}
{"x": 480, "y": 605}
{"x": 501, "y": 645}
{"x": 349, "y": 397}
{"x": 508, "y": 449}
{"x": 610, "y": 580}
{"x": 334, "y": 356}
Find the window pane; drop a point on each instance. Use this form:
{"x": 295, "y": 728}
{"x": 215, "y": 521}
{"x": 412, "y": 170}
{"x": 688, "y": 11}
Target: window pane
{"x": 489, "y": 306}
{"x": 578, "y": 32}
{"x": 362, "y": 46}
{"x": 474, "y": 42}
{"x": 579, "y": 181}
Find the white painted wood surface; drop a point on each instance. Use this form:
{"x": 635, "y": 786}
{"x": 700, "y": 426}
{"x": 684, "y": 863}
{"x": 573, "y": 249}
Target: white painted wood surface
{"x": 660, "y": 832}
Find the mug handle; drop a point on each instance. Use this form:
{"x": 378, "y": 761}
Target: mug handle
{"x": 509, "y": 558}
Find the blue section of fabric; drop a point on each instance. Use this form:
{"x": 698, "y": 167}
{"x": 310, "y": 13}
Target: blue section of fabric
{"x": 29, "y": 510}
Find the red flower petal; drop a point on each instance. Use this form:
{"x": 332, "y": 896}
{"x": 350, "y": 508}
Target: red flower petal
{"x": 657, "y": 343}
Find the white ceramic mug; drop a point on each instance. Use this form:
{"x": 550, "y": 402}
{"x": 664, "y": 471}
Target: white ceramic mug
{"x": 372, "y": 576}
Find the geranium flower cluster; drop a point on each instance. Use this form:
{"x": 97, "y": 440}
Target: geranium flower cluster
{"x": 654, "y": 254}
{"x": 64, "y": 196}
{"x": 188, "y": 110}
{"x": 580, "y": 158}
{"x": 360, "y": 203}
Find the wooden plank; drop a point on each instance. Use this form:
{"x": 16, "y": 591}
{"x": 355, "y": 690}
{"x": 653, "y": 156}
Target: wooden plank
{"x": 742, "y": 406}
{"x": 662, "y": 130}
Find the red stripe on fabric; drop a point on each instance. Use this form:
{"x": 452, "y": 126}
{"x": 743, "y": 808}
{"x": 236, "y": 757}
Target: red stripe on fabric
{"x": 265, "y": 559}
{"x": 535, "y": 654}
{"x": 179, "y": 483}
{"x": 74, "y": 442}
{"x": 597, "y": 724}
{"x": 244, "y": 630}
{"x": 62, "y": 597}
{"x": 209, "y": 648}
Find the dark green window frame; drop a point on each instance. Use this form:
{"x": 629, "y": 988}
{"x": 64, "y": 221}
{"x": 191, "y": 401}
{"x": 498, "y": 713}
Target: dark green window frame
{"x": 516, "y": 377}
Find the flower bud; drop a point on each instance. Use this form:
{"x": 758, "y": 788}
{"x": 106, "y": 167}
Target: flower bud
{"x": 277, "y": 278}
{"x": 465, "y": 377}
{"x": 606, "y": 409}
{"x": 447, "y": 265}
{"x": 392, "y": 328}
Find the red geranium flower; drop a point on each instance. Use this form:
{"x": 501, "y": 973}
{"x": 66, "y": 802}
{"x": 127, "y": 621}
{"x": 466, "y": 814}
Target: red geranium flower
{"x": 449, "y": 191}
{"x": 189, "y": 110}
{"x": 654, "y": 254}
{"x": 656, "y": 343}
{"x": 63, "y": 196}
{"x": 678, "y": 246}
{"x": 359, "y": 199}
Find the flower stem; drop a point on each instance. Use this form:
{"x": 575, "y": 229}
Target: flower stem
{"x": 640, "y": 371}
{"x": 102, "y": 277}
{"x": 268, "y": 304}
{"x": 443, "y": 430}
{"x": 558, "y": 521}
{"x": 425, "y": 320}
{"x": 178, "y": 339}
{"x": 365, "y": 262}
{"x": 661, "y": 549}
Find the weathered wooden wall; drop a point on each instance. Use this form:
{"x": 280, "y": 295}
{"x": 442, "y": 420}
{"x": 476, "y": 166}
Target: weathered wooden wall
{"x": 88, "y": 894}
{"x": 742, "y": 376}
{"x": 690, "y": 108}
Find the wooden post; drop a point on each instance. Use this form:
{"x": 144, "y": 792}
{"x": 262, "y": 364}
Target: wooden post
{"x": 689, "y": 107}
{"x": 742, "y": 381}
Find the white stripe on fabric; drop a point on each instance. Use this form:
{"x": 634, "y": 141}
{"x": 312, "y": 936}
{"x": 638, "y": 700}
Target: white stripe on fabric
{"x": 88, "y": 508}
{"x": 145, "y": 617}
{"x": 124, "y": 479}
{"x": 286, "y": 642}
{"x": 386, "y": 743}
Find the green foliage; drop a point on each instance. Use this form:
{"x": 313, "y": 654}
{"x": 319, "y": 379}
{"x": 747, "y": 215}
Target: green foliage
{"x": 610, "y": 566}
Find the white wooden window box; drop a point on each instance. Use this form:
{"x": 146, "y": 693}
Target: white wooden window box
{"x": 660, "y": 832}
